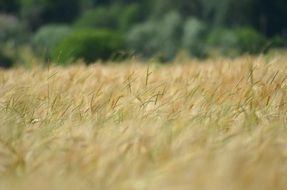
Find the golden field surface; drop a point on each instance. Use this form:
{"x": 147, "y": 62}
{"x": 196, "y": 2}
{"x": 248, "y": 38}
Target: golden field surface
{"x": 213, "y": 125}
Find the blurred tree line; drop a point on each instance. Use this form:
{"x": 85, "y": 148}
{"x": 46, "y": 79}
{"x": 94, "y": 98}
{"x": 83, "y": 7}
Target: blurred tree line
{"x": 146, "y": 27}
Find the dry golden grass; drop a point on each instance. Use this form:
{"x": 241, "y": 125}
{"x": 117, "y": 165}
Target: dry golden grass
{"x": 217, "y": 125}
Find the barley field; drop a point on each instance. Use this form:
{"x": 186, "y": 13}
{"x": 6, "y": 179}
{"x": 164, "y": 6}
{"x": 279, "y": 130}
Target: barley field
{"x": 218, "y": 124}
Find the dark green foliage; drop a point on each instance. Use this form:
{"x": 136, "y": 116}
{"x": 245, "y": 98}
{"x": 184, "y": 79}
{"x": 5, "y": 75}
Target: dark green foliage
{"x": 143, "y": 39}
{"x": 114, "y": 17}
{"x": 194, "y": 35}
{"x": 5, "y": 60}
{"x": 89, "y": 45}
{"x": 165, "y": 37}
{"x": 154, "y": 28}
{"x": 40, "y": 12}
{"x": 223, "y": 41}
{"x": 47, "y": 38}
{"x": 266, "y": 16}
{"x": 129, "y": 16}
{"x": 9, "y": 6}
{"x": 269, "y": 17}
{"x": 11, "y": 30}
{"x": 227, "y": 13}
{"x": 222, "y": 37}
{"x": 250, "y": 41}
{"x": 238, "y": 41}
{"x": 157, "y": 38}
{"x": 277, "y": 41}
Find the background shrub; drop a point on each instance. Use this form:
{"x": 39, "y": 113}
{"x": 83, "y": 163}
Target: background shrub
{"x": 158, "y": 37}
{"x": 277, "y": 41}
{"x": 89, "y": 45}
{"x": 169, "y": 34}
{"x": 48, "y": 37}
{"x": 223, "y": 41}
{"x": 194, "y": 34}
{"x": 153, "y": 29}
{"x": 143, "y": 39}
{"x": 9, "y": 6}
{"x": 115, "y": 17}
{"x": 36, "y": 13}
{"x": 11, "y": 30}
{"x": 250, "y": 41}
{"x": 238, "y": 41}
{"x": 5, "y": 60}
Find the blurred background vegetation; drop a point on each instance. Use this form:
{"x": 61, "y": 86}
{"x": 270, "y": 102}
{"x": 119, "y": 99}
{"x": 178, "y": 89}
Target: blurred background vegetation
{"x": 63, "y": 31}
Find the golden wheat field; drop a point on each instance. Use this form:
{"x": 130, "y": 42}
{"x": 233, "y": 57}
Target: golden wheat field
{"x": 214, "y": 125}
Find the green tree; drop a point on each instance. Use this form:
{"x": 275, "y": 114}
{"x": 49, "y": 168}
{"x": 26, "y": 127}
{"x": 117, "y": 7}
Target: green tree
{"x": 11, "y": 30}
{"x": 114, "y": 17}
{"x": 270, "y": 16}
{"x": 9, "y": 6}
{"x": 89, "y": 45}
{"x": 39, "y": 12}
{"x": 157, "y": 38}
{"x": 183, "y": 7}
{"x": 194, "y": 35}
{"x": 47, "y": 38}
